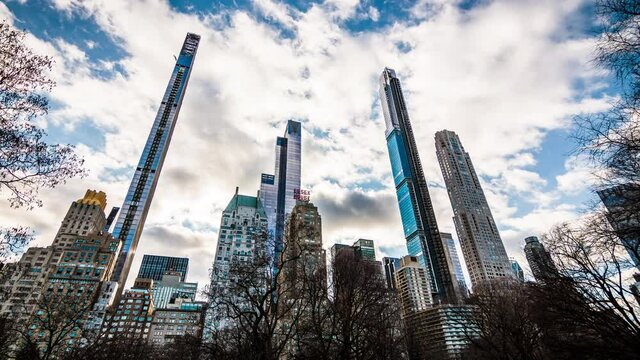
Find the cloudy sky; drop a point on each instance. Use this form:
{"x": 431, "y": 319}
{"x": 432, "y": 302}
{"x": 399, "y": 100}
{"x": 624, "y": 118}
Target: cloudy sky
{"x": 506, "y": 75}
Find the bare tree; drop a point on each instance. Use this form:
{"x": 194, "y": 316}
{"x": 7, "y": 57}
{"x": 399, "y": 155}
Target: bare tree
{"x": 13, "y": 241}
{"x": 249, "y": 308}
{"x": 593, "y": 261}
{"x": 504, "y": 325}
{"x": 55, "y": 328}
{"x": 360, "y": 320}
{"x": 27, "y": 162}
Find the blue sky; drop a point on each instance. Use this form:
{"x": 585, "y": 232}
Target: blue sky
{"x": 507, "y": 76}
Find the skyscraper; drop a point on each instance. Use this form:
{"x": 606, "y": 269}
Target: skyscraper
{"x": 480, "y": 240}
{"x": 81, "y": 226}
{"x": 623, "y": 212}
{"x": 413, "y": 286}
{"x": 241, "y": 238}
{"x": 454, "y": 260}
{"x": 133, "y": 214}
{"x": 303, "y": 256}
{"x": 277, "y": 191}
{"x": 155, "y": 266}
{"x": 416, "y": 211}
{"x": 67, "y": 277}
{"x": 540, "y": 262}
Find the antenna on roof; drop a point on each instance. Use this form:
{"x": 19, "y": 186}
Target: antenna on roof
{"x": 175, "y": 58}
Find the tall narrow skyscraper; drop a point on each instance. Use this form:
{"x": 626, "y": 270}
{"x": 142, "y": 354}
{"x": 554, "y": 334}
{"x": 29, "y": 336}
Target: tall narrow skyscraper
{"x": 134, "y": 210}
{"x": 480, "y": 240}
{"x": 277, "y": 191}
{"x": 454, "y": 260}
{"x": 418, "y": 218}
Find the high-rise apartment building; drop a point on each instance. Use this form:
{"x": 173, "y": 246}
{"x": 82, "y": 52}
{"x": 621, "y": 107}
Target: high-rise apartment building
{"x": 482, "y": 247}
{"x": 155, "y": 266}
{"x": 454, "y": 261}
{"x": 540, "y": 262}
{"x": 518, "y": 273}
{"x": 184, "y": 317}
{"x": 303, "y": 257}
{"x": 81, "y": 227}
{"x": 277, "y": 191}
{"x": 623, "y": 212}
{"x": 412, "y": 284}
{"x": 131, "y": 317}
{"x": 133, "y": 213}
{"x": 242, "y": 235}
{"x": 416, "y": 210}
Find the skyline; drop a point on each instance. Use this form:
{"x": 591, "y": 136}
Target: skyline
{"x": 341, "y": 202}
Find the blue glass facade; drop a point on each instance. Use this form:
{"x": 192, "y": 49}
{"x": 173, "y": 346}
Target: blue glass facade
{"x": 416, "y": 211}
{"x": 130, "y": 223}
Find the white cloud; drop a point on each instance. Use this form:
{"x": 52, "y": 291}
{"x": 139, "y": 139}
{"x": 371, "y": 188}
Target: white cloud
{"x": 497, "y": 75}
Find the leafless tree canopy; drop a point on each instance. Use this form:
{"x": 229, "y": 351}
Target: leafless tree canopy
{"x": 27, "y": 162}
{"x": 289, "y": 312}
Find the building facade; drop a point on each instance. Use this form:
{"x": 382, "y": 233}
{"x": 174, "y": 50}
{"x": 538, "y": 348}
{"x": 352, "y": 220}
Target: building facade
{"x": 518, "y": 273}
{"x": 155, "y": 266}
{"x": 540, "y": 262}
{"x": 184, "y": 317}
{"x": 416, "y": 210}
{"x": 80, "y": 258}
{"x": 365, "y": 249}
{"x": 133, "y": 213}
{"x": 277, "y": 190}
{"x": 303, "y": 259}
{"x": 389, "y": 267}
{"x": 623, "y": 212}
{"x": 440, "y": 332}
{"x": 482, "y": 247}
{"x": 172, "y": 288}
{"x": 131, "y": 317}
{"x": 454, "y": 261}
{"x": 242, "y": 239}
{"x": 413, "y": 287}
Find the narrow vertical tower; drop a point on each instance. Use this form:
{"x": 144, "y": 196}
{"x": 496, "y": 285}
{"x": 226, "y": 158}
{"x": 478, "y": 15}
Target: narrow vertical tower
{"x": 277, "y": 191}
{"x": 418, "y": 218}
{"x": 480, "y": 240}
{"x": 136, "y": 205}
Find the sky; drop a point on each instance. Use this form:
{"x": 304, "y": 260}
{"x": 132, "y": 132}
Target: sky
{"x": 507, "y": 76}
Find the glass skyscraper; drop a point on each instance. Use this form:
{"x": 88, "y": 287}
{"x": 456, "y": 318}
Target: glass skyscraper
{"x": 480, "y": 240}
{"x": 133, "y": 213}
{"x": 155, "y": 266}
{"x": 416, "y": 211}
{"x": 454, "y": 260}
{"x": 277, "y": 191}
